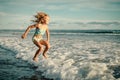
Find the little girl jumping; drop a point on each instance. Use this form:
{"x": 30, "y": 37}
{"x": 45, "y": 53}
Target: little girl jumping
{"x": 42, "y": 20}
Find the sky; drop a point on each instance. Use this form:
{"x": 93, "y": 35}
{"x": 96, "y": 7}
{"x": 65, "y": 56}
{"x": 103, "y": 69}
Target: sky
{"x": 64, "y": 14}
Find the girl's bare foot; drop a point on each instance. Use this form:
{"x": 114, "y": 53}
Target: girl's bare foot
{"x": 35, "y": 59}
{"x": 45, "y": 56}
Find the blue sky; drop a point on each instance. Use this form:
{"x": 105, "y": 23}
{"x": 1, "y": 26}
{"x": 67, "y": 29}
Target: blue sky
{"x": 64, "y": 14}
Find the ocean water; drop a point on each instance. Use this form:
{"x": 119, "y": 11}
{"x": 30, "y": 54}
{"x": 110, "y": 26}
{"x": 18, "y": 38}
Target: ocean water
{"x": 74, "y": 55}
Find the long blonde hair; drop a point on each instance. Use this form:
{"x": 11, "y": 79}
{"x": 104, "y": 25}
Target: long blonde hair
{"x": 40, "y": 17}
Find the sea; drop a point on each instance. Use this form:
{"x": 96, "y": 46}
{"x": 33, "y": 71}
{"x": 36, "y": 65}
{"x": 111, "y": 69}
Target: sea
{"x": 74, "y": 55}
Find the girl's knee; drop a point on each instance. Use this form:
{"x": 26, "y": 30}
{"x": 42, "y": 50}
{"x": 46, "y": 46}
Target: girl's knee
{"x": 40, "y": 48}
{"x": 48, "y": 47}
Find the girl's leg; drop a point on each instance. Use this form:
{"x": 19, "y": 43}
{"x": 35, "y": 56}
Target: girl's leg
{"x": 35, "y": 58}
{"x": 47, "y": 46}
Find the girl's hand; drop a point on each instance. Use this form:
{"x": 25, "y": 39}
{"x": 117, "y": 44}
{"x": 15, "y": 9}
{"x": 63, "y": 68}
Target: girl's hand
{"x": 23, "y": 36}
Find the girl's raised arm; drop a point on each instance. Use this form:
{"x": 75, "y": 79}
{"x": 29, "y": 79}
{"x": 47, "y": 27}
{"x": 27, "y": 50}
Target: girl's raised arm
{"x": 27, "y": 31}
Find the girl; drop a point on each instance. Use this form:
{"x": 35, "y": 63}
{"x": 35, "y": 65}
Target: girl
{"x": 42, "y": 20}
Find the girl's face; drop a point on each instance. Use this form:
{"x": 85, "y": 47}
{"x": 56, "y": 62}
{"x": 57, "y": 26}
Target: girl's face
{"x": 47, "y": 20}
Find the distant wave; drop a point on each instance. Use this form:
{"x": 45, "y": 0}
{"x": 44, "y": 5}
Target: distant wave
{"x": 69, "y": 32}
{"x": 85, "y": 32}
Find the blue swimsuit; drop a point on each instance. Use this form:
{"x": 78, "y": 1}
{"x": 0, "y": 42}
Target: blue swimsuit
{"x": 38, "y": 34}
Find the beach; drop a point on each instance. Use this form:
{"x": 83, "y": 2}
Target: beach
{"x": 74, "y": 55}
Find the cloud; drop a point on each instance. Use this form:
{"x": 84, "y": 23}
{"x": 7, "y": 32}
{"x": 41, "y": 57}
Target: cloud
{"x": 13, "y": 19}
{"x": 46, "y": 5}
{"x": 90, "y": 22}
{"x": 71, "y": 5}
{"x": 87, "y": 25}
{"x": 62, "y": 12}
{"x": 104, "y": 23}
{"x": 3, "y": 14}
{"x": 103, "y": 5}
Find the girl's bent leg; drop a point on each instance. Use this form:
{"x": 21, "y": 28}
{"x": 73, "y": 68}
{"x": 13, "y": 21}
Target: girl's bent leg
{"x": 47, "y": 46}
{"x": 44, "y": 53}
{"x": 35, "y": 58}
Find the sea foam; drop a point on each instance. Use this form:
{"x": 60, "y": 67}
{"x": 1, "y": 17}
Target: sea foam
{"x": 69, "y": 59}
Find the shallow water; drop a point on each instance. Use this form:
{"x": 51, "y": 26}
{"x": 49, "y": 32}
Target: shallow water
{"x": 12, "y": 68}
{"x": 71, "y": 57}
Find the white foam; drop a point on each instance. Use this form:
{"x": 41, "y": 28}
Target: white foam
{"x": 71, "y": 59}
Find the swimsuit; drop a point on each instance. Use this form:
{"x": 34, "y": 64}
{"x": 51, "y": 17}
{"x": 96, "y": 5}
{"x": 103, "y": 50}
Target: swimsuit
{"x": 38, "y": 34}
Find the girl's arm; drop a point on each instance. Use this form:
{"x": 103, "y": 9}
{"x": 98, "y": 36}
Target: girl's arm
{"x": 27, "y": 31}
{"x": 48, "y": 34}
